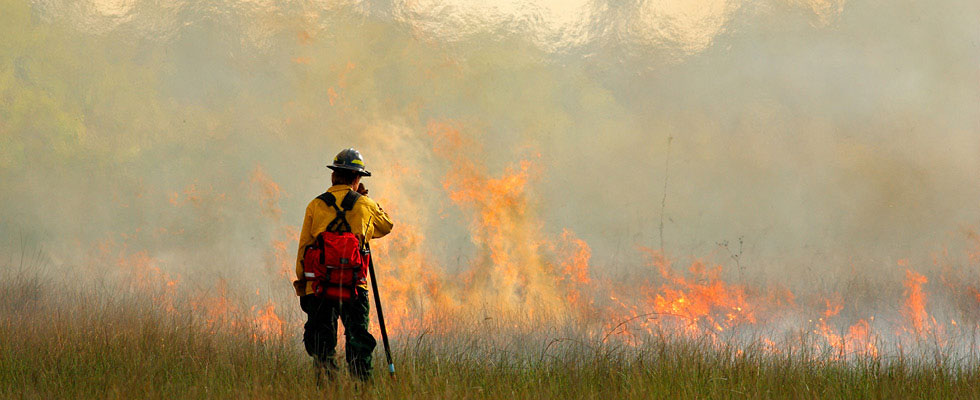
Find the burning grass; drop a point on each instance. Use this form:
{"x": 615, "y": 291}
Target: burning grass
{"x": 526, "y": 315}
{"x": 70, "y": 342}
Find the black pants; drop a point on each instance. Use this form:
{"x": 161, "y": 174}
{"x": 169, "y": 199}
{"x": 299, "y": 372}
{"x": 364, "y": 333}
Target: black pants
{"x": 320, "y": 335}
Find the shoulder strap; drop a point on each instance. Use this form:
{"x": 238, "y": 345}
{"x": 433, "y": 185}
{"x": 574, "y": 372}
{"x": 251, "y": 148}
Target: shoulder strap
{"x": 328, "y": 198}
{"x": 348, "y": 202}
{"x": 339, "y": 223}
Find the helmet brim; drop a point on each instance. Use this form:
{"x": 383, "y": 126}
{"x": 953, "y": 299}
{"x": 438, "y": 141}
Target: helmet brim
{"x": 362, "y": 172}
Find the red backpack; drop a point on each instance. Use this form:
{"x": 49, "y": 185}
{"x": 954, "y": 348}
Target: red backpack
{"x": 336, "y": 263}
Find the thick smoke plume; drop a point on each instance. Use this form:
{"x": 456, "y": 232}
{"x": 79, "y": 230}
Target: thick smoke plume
{"x": 632, "y": 167}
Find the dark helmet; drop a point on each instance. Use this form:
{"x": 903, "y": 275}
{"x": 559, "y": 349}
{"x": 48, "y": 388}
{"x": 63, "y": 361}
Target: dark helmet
{"x": 351, "y": 160}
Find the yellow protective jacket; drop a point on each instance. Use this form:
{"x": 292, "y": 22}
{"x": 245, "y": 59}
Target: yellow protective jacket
{"x": 367, "y": 221}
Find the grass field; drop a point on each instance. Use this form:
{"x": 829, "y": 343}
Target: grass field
{"x": 58, "y": 342}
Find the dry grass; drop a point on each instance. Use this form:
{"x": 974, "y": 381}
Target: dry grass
{"x": 68, "y": 343}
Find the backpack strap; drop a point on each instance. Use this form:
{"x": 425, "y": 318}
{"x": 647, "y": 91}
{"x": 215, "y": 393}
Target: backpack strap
{"x": 348, "y": 202}
{"x": 328, "y": 199}
{"x": 339, "y": 223}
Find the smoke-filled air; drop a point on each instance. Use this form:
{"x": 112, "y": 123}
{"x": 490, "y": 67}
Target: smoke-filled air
{"x": 568, "y": 180}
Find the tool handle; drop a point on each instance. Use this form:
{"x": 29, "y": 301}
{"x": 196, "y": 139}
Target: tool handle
{"x": 381, "y": 314}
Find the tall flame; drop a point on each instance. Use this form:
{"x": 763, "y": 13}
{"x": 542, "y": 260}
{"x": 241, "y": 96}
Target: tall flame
{"x": 510, "y": 273}
{"x": 915, "y": 301}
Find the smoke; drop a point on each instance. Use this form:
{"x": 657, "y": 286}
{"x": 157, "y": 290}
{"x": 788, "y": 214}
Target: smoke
{"x": 801, "y": 143}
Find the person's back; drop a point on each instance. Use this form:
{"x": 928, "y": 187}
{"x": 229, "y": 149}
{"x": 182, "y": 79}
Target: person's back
{"x": 366, "y": 220}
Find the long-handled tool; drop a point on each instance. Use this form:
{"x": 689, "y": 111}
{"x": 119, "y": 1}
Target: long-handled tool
{"x": 381, "y": 315}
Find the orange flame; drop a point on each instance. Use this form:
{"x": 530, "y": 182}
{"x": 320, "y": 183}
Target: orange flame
{"x": 268, "y": 322}
{"x": 915, "y": 301}
{"x": 859, "y": 339}
{"x": 511, "y": 272}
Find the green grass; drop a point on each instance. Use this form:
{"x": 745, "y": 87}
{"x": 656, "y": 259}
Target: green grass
{"x": 58, "y": 343}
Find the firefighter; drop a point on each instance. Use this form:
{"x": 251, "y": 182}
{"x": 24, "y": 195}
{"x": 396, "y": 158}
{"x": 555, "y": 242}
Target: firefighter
{"x": 367, "y": 221}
